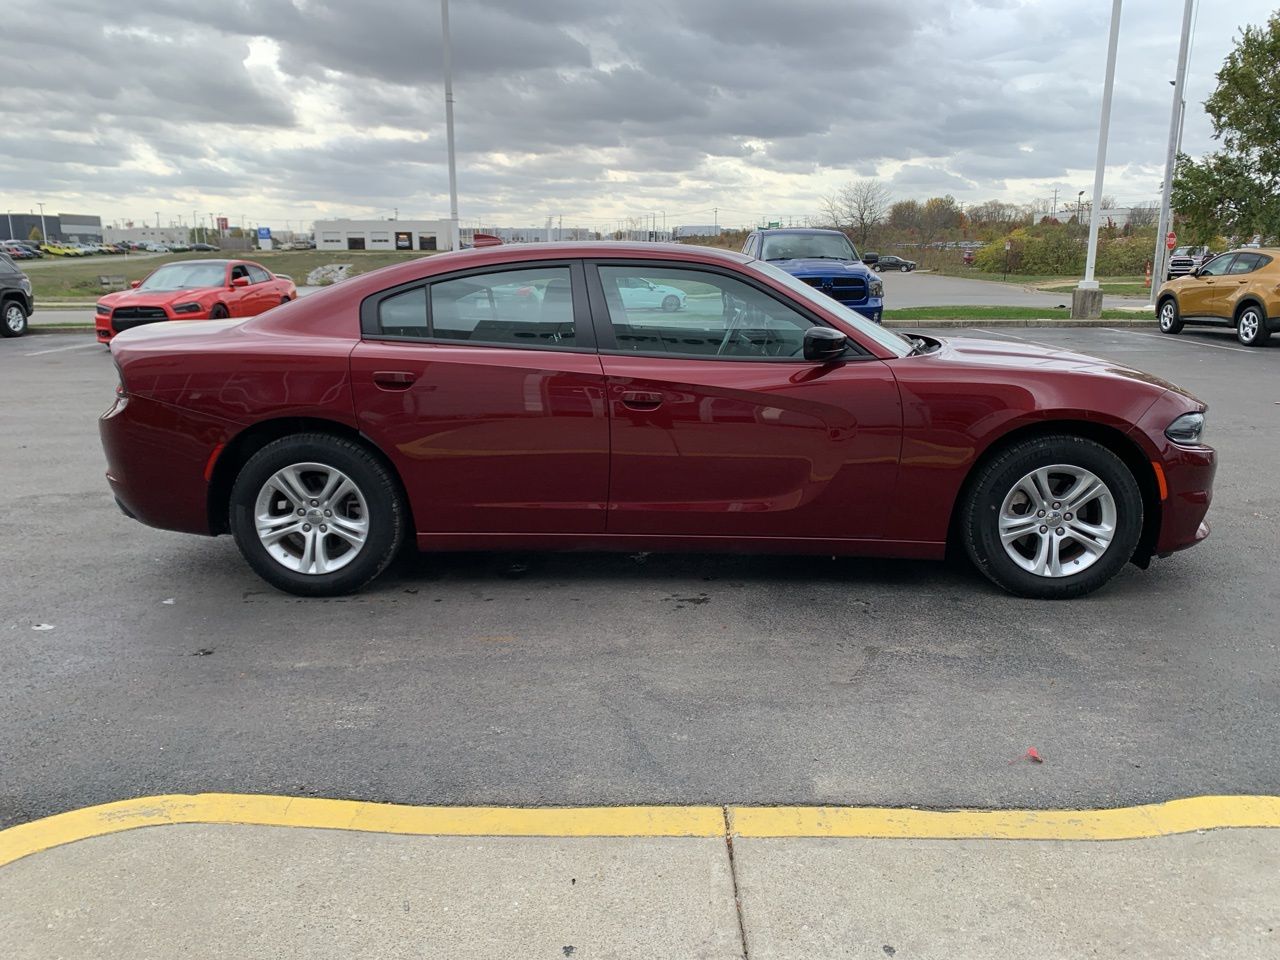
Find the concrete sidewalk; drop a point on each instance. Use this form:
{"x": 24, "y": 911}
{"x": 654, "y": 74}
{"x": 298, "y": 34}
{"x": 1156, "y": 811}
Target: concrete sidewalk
{"x": 127, "y": 889}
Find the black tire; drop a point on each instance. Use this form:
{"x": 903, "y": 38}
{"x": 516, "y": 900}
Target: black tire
{"x": 1169, "y": 315}
{"x": 904, "y": 268}
{"x": 386, "y": 515}
{"x": 284, "y": 299}
{"x": 1251, "y": 326}
{"x": 670, "y": 303}
{"x": 13, "y": 318}
{"x": 219, "y": 312}
{"x": 998, "y": 478}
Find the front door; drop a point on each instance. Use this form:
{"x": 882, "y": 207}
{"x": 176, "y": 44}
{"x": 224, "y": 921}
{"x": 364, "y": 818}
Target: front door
{"x": 722, "y": 429}
{"x": 485, "y": 389}
{"x": 1204, "y": 294}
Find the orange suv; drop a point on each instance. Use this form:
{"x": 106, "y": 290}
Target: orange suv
{"x": 1240, "y": 288}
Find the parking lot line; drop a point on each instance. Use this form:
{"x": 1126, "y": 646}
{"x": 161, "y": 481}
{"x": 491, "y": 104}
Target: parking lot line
{"x": 1120, "y": 823}
{"x": 74, "y": 346}
{"x": 1186, "y": 343}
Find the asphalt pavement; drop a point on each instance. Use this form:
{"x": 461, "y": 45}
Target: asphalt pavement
{"x": 138, "y": 662}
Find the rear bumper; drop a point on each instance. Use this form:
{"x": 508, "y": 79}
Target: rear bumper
{"x": 157, "y": 457}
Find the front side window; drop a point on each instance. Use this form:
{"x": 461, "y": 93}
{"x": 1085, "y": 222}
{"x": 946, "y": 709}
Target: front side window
{"x": 677, "y": 312}
{"x": 1217, "y": 266}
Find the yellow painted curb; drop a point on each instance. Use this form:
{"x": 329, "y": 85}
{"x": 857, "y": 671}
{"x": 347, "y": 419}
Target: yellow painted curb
{"x": 271, "y": 811}
{"x": 1120, "y": 823}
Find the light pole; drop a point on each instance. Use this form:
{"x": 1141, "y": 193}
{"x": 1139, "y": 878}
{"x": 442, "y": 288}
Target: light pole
{"x": 44, "y": 234}
{"x": 9, "y": 214}
{"x": 1080, "y": 203}
{"x": 1086, "y": 299}
{"x": 1163, "y": 223}
{"x": 448, "y": 124}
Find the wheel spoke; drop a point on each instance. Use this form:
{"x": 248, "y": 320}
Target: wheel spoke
{"x": 1015, "y": 528}
{"x": 273, "y": 529}
{"x": 1087, "y": 487}
{"x": 1094, "y": 537}
{"x": 289, "y": 482}
{"x": 1040, "y": 483}
{"x": 352, "y": 531}
{"x": 1040, "y": 562}
{"x": 343, "y": 489}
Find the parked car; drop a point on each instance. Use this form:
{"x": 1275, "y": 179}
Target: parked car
{"x": 16, "y": 303}
{"x": 824, "y": 259}
{"x": 204, "y": 247}
{"x": 193, "y": 290}
{"x": 155, "y": 247}
{"x": 639, "y": 293}
{"x": 15, "y": 252}
{"x": 31, "y": 248}
{"x": 1239, "y": 289}
{"x": 1185, "y": 260}
{"x": 58, "y": 249}
{"x": 889, "y": 262}
{"x": 179, "y": 247}
{"x": 419, "y": 402}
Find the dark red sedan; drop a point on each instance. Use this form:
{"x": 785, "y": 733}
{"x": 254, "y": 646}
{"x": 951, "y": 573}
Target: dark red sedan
{"x": 511, "y": 398}
{"x": 193, "y": 290}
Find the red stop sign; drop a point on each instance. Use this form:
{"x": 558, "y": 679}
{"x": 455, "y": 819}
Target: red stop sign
{"x": 1171, "y": 240}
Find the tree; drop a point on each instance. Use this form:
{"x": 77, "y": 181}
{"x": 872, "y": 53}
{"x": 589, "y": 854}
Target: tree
{"x": 938, "y": 215}
{"x": 35, "y": 236}
{"x": 1236, "y": 190}
{"x": 860, "y": 206}
{"x": 1142, "y": 214}
{"x": 905, "y": 215}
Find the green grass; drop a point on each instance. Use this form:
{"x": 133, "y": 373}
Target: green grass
{"x": 997, "y": 313}
{"x": 1131, "y": 286}
{"x": 77, "y": 279}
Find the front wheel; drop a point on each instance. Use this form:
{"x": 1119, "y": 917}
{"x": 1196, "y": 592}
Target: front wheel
{"x": 15, "y": 319}
{"x": 904, "y": 268}
{"x": 1053, "y": 517}
{"x": 1170, "y": 318}
{"x": 316, "y": 515}
{"x": 671, "y": 303}
{"x": 1251, "y": 327}
{"x": 219, "y": 312}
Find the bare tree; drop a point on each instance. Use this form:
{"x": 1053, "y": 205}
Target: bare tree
{"x": 859, "y": 206}
{"x": 1142, "y": 214}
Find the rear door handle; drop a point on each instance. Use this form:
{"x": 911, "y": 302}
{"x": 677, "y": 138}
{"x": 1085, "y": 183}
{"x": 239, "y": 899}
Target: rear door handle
{"x": 639, "y": 400}
{"x": 393, "y": 379}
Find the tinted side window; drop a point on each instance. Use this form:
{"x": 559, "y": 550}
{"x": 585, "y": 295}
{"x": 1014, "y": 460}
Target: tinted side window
{"x": 530, "y": 307}
{"x": 669, "y": 311}
{"x": 258, "y": 275}
{"x": 1246, "y": 263}
{"x": 405, "y": 314}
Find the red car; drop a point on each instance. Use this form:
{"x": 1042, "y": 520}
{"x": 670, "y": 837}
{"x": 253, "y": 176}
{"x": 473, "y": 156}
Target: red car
{"x": 509, "y": 398}
{"x": 193, "y": 290}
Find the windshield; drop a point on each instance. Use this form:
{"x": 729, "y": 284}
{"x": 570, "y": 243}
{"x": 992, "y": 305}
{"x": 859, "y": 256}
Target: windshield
{"x": 184, "y": 276}
{"x": 900, "y": 346}
{"x": 796, "y": 246}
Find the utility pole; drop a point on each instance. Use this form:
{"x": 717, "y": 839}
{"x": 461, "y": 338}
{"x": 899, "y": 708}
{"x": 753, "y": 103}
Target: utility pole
{"x": 448, "y": 123}
{"x": 715, "y": 212}
{"x": 157, "y": 219}
{"x": 9, "y": 214}
{"x": 1086, "y": 299}
{"x": 1054, "y": 214}
{"x": 1171, "y": 156}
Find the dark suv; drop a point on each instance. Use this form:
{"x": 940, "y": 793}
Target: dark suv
{"x": 15, "y": 298}
{"x": 824, "y": 259}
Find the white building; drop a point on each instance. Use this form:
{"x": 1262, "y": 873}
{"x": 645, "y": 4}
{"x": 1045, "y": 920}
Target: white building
{"x": 382, "y": 234}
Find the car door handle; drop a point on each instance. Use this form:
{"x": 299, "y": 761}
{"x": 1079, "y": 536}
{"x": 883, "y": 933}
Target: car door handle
{"x": 393, "y": 379}
{"x": 638, "y": 400}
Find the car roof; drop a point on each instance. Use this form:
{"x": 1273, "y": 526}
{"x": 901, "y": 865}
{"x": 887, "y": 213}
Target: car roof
{"x": 1270, "y": 251}
{"x": 774, "y": 230}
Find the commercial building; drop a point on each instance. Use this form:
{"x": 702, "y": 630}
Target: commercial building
{"x": 80, "y": 227}
{"x": 382, "y": 234}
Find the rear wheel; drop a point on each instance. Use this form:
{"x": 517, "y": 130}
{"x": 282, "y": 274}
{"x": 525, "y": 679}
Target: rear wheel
{"x": 1170, "y": 317}
{"x": 1053, "y": 517}
{"x": 219, "y": 312}
{"x": 671, "y": 303}
{"x": 904, "y": 268}
{"x": 14, "y": 319}
{"x": 1251, "y": 326}
{"x": 316, "y": 515}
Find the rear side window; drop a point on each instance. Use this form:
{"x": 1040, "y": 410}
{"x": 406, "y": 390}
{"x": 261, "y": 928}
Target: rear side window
{"x": 526, "y": 307}
{"x": 258, "y": 275}
{"x": 1247, "y": 262}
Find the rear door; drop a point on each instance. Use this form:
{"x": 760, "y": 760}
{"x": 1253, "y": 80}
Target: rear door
{"x": 722, "y": 429}
{"x": 485, "y": 389}
{"x": 1235, "y": 283}
{"x": 1202, "y": 295}
{"x": 263, "y": 294}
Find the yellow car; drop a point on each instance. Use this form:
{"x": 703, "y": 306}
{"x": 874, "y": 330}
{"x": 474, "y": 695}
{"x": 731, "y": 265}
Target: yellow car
{"x": 1240, "y": 289}
{"x": 60, "y": 250}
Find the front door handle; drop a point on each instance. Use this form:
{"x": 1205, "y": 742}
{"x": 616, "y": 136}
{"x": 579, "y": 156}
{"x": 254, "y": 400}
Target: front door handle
{"x": 640, "y": 400}
{"x": 393, "y": 379}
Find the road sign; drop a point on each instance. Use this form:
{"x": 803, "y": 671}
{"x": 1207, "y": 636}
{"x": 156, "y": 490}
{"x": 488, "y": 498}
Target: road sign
{"x": 223, "y": 224}
{"x": 1171, "y": 240}
{"x": 264, "y": 233}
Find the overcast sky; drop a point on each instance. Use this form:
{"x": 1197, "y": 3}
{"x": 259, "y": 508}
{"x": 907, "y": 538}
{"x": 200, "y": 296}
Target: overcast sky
{"x": 591, "y": 110}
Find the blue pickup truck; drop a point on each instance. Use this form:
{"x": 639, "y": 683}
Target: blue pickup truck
{"x": 824, "y": 259}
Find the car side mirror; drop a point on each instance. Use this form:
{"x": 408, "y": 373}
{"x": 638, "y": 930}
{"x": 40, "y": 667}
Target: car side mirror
{"x": 823, "y": 344}
{"x": 135, "y": 284}
{"x": 239, "y": 281}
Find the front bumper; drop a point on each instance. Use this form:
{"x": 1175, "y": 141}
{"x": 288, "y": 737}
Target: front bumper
{"x": 1188, "y": 478}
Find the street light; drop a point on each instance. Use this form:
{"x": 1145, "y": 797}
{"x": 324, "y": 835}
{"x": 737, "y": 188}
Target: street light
{"x": 448, "y": 124}
{"x": 1171, "y": 154}
{"x": 44, "y": 234}
{"x": 1079, "y": 204}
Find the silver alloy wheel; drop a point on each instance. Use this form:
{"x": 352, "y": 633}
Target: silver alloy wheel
{"x": 1167, "y": 315}
{"x": 1249, "y": 324}
{"x": 14, "y": 318}
{"x": 311, "y": 518}
{"x": 1058, "y": 521}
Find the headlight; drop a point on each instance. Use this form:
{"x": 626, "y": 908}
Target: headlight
{"x": 188, "y": 308}
{"x": 25, "y": 283}
{"x": 103, "y": 311}
{"x": 877, "y": 288}
{"x": 1188, "y": 429}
